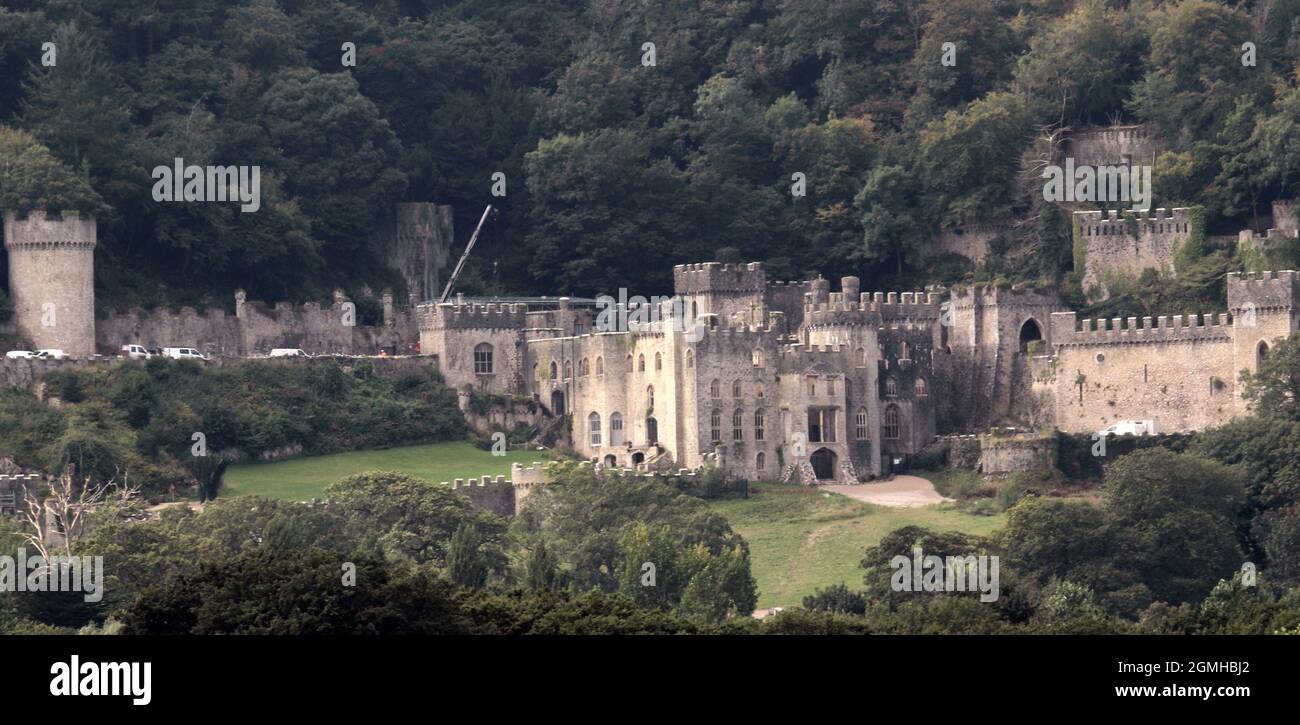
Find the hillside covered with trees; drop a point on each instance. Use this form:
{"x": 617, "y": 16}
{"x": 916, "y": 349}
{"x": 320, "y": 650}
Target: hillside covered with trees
{"x": 616, "y": 164}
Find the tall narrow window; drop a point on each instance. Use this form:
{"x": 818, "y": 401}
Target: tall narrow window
{"x": 584, "y": 368}
{"x": 482, "y": 359}
{"x": 593, "y": 425}
{"x": 891, "y": 427}
{"x": 757, "y": 357}
{"x": 568, "y": 369}
{"x": 690, "y": 358}
{"x": 735, "y": 389}
{"x": 600, "y": 365}
{"x": 615, "y": 429}
{"x": 860, "y": 425}
{"x": 760, "y": 462}
{"x": 629, "y": 362}
{"x": 891, "y": 387}
{"x": 640, "y": 363}
{"x": 861, "y": 357}
{"x": 554, "y": 370}
{"x": 919, "y": 387}
{"x": 715, "y": 426}
{"x": 650, "y": 397}
{"x": 738, "y": 425}
{"x": 715, "y": 389}
{"x": 758, "y": 425}
{"x": 659, "y": 362}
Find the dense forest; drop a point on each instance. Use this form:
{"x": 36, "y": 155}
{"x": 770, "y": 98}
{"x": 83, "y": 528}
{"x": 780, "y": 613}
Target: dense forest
{"x": 632, "y": 135}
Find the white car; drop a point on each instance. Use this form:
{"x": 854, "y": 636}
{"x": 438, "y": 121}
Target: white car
{"x": 136, "y": 352}
{"x": 183, "y": 353}
{"x": 1131, "y": 427}
{"x": 20, "y": 354}
{"x": 51, "y": 354}
{"x": 288, "y": 352}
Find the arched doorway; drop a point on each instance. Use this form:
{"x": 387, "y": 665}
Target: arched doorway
{"x": 1261, "y": 352}
{"x": 823, "y": 464}
{"x": 638, "y": 458}
{"x": 651, "y": 431}
{"x": 1029, "y": 332}
{"x": 557, "y": 402}
{"x": 610, "y": 461}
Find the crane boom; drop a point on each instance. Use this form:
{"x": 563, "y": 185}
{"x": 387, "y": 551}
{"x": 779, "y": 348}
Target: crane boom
{"x": 446, "y": 291}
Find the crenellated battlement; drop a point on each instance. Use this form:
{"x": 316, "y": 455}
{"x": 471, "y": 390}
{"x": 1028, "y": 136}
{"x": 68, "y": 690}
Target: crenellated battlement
{"x": 1158, "y": 222}
{"x": 1266, "y": 291}
{"x": 706, "y": 277}
{"x": 37, "y": 230}
{"x": 473, "y": 316}
{"x": 1067, "y": 330}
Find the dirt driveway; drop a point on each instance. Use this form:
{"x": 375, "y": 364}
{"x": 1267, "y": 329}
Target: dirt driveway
{"x": 900, "y": 492}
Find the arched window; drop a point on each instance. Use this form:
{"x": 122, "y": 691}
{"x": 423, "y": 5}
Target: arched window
{"x": 812, "y": 386}
{"x": 758, "y": 425}
{"x": 860, "y": 358}
{"x": 738, "y": 425}
{"x": 919, "y": 388}
{"x": 615, "y": 429}
{"x": 629, "y": 362}
{"x": 757, "y": 357}
{"x": 584, "y": 368}
{"x": 568, "y": 369}
{"x": 535, "y": 371}
{"x": 830, "y": 386}
{"x": 593, "y": 426}
{"x": 735, "y": 389}
{"x": 659, "y": 362}
{"x": 860, "y": 429}
{"x": 891, "y": 387}
{"x": 715, "y": 426}
{"x": 1261, "y": 352}
{"x": 715, "y": 389}
{"x": 758, "y": 390}
{"x": 690, "y": 358}
{"x": 482, "y": 359}
{"x": 555, "y": 370}
{"x": 891, "y": 426}
{"x": 600, "y": 365}
{"x": 650, "y": 397}
{"x": 903, "y": 351}
{"x": 640, "y": 363}
{"x": 760, "y": 462}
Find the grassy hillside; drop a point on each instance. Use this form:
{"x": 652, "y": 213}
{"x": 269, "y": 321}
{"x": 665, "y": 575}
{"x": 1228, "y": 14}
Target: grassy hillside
{"x": 802, "y": 538}
{"x": 305, "y": 478}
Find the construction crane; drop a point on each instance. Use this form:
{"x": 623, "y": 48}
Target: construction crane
{"x": 446, "y": 291}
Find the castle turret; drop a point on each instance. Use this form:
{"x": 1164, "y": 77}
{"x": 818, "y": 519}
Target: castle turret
{"x": 52, "y": 279}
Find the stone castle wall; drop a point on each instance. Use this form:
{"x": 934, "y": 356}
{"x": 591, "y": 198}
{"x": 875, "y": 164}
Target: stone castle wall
{"x": 1118, "y": 245}
{"x": 52, "y": 280}
{"x": 1112, "y": 145}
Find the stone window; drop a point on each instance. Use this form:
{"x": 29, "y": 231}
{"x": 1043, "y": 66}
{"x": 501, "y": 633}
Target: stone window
{"x": 640, "y": 363}
{"x": 615, "y": 429}
{"x": 738, "y": 425}
{"x": 891, "y": 387}
{"x": 920, "y": 388}
{"x": 812, "y": 386}
{"x": 600, "y": 365}
{"x": 758, "y": 424}
{"x": 715, "y": 389}
{"x": 757, "y": 357}
{"x": 760, "y": 462}
{"x": 690, "y": 358}
{"x": 830, "y": 386}
{"x": 650, "y": 397}
{"x": 555, "y": 370}
{"x": 584, "y": 368}
{"x": 483, "y": 359}
{"x": 892, "y": 428}
{"x": 715, "y": 426}
{"x": 860, "y": 358}
{"x": 593, "y": 427}
{"x": 860, "y": 428}
{"x": 735, "y": 389}
{"x": 821, "y": 425}
{"x": 758, "y": 390}
{"x": 568, "y": 369}
{"x": 903, "y": 352}
{"x": 659, "y": 362}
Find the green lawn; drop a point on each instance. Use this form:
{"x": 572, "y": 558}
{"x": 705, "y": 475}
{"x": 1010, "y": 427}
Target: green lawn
{"x": 802, "y": 538}
{"x": 301, "y": 479}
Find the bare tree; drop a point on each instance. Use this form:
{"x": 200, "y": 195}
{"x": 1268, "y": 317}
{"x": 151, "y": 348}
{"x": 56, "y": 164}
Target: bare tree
{"x": 59, "y": 518}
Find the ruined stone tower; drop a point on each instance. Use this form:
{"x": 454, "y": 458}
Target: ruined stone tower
{"x": 52, "y": 279}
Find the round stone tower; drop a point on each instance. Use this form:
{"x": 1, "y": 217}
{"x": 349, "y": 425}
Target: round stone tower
{"x": 52, "y": 279}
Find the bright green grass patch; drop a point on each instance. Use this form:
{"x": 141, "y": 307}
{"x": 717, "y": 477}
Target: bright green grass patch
{"x": 301, "y": 479}
{"x": 802, "y": 538}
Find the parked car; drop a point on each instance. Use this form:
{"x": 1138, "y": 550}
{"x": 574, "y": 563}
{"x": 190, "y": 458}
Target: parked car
{"x": 288, "y": 352}
{"x": 136, "y": 352}
{"x": 1131, "y": 427}
{"x": 183, "y": 353}
{"x": 20, "y": 354}
{"x": 51, "y": 354}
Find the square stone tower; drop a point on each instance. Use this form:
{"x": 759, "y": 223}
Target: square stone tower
{"x": 52, "y": 279}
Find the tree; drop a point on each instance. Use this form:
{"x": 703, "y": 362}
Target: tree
{"x": 889, "y": 224}
{"x": 1274, "y": 389}
{"x": 31, "y": 178}
{"x": 466, "y": 565}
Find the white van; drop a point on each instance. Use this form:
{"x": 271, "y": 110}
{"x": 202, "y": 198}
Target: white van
{"x": 1131, "y": 427}
{"x": 136, "y": 352}
{"x": 20, "y": 354}
{"x": 288, "y": 352}
{"x": 51, "y": 354}
{"x": 183, "y": 353}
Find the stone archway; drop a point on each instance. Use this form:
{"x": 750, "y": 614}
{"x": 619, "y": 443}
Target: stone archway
{"x": 1030, "y": 332}
{"x": 823, "y": 464}
{"x": 557, "y": 403}
{"x": 651, "y": 431}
